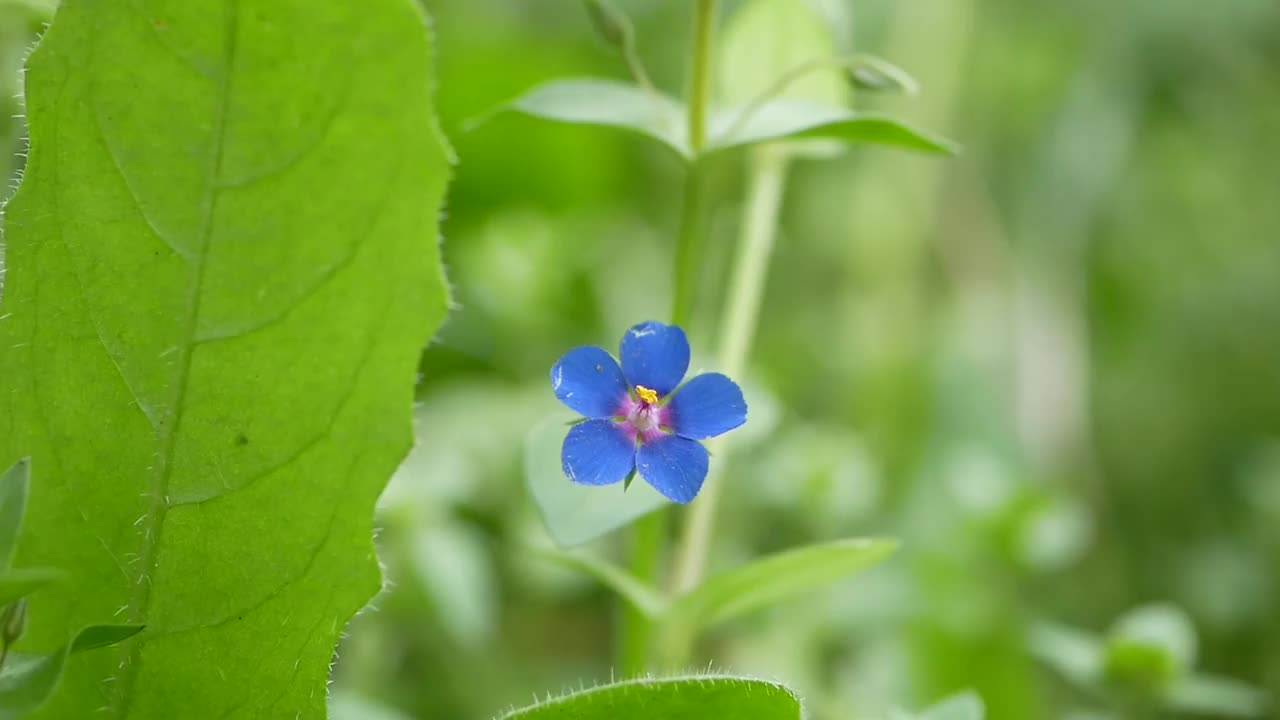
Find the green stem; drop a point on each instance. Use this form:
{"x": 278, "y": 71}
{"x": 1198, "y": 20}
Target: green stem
{"x": 768, "y": 172}
{"x": 635, "y": 631}
{"x": 688, "y": 255}
{"x": 704, "y": 15}
{"x": 648, "y": 533}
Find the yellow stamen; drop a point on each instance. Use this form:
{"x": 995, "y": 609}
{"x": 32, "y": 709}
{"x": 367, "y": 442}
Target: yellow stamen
{"x": 647, "y": 395}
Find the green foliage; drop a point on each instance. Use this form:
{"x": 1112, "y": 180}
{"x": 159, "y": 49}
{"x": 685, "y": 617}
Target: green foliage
{"x": 26, "y": 681}
{"x": 1080, "y": 314}
{"x": 620, "y": 105}
{"x": 757, "y": 585}
{"x": 780, "y": 79}
{"x": 688, "y": 698}
{"x": 779, "y": 120}
{"x": 773, "y": 578}
{"x": 1147, "y": 660}
{"x": 629, "y": 588}
{"x": 220, "y": 276}
{"x": 16, "y": 584}
{"x": 589, "y": 101}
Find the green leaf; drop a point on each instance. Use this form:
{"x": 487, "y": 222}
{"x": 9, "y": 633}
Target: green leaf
{"x": 774, "y": 578}
{"x": 609, "y": 103}
{"x": 13, "y": 502}
{"x": 100, "y": 636}
{"x": 630, "y": 588}
{"x": 222, "y": 268}
{"x": 26, "y": 681}
{"x": 797, "y": 120}
{"x": 17, "y": 584}
{"x": 575, "y": 514}
{"x": 688, "y": 698}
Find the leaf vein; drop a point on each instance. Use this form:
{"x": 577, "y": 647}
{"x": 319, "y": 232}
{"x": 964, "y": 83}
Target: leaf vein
{"x": 327, "y": 276}
{"x": 154, "y": 520}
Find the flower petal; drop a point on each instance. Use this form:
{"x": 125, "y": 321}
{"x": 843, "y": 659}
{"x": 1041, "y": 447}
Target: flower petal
{"x": 674, "y": 466}
{"x": 655, "y": 356}
{"x": 588, "y": 380}
{"x": 597, "y": 452}
{"x": 706, "y": 406}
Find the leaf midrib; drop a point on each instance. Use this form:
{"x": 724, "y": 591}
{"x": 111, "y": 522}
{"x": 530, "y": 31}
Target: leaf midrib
{"x": 153, "y": 521}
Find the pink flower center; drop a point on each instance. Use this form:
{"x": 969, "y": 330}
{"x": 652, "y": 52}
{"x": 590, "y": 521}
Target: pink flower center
{"x": 643, "y": 416}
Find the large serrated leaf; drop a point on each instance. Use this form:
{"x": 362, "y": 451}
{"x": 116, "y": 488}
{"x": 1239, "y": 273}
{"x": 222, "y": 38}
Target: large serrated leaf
{"x": 690, "y": 698}
{"x": 222, "y": 267}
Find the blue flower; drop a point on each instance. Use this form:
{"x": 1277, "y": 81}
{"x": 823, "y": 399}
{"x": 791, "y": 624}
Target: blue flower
{"x": 639, "y": 417}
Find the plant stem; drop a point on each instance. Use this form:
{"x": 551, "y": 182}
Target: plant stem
{"x": 648, "y": 533}
{"x": 704, "y": 14}
{"x": 688, "y": 252}
{"x": 635, "y": 631}
{"x": 768, "y": 171}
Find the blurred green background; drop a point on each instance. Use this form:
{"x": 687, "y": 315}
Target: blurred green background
{"x": 1049, "y": 366}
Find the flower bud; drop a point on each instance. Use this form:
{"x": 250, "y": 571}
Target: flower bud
{"x": 12, "y": 622}
{"x": 875, "y": 74}
{"x": 608, "y": 21}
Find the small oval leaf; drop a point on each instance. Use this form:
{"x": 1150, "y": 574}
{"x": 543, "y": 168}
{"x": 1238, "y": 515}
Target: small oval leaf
{"x": 590, "y": 101}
